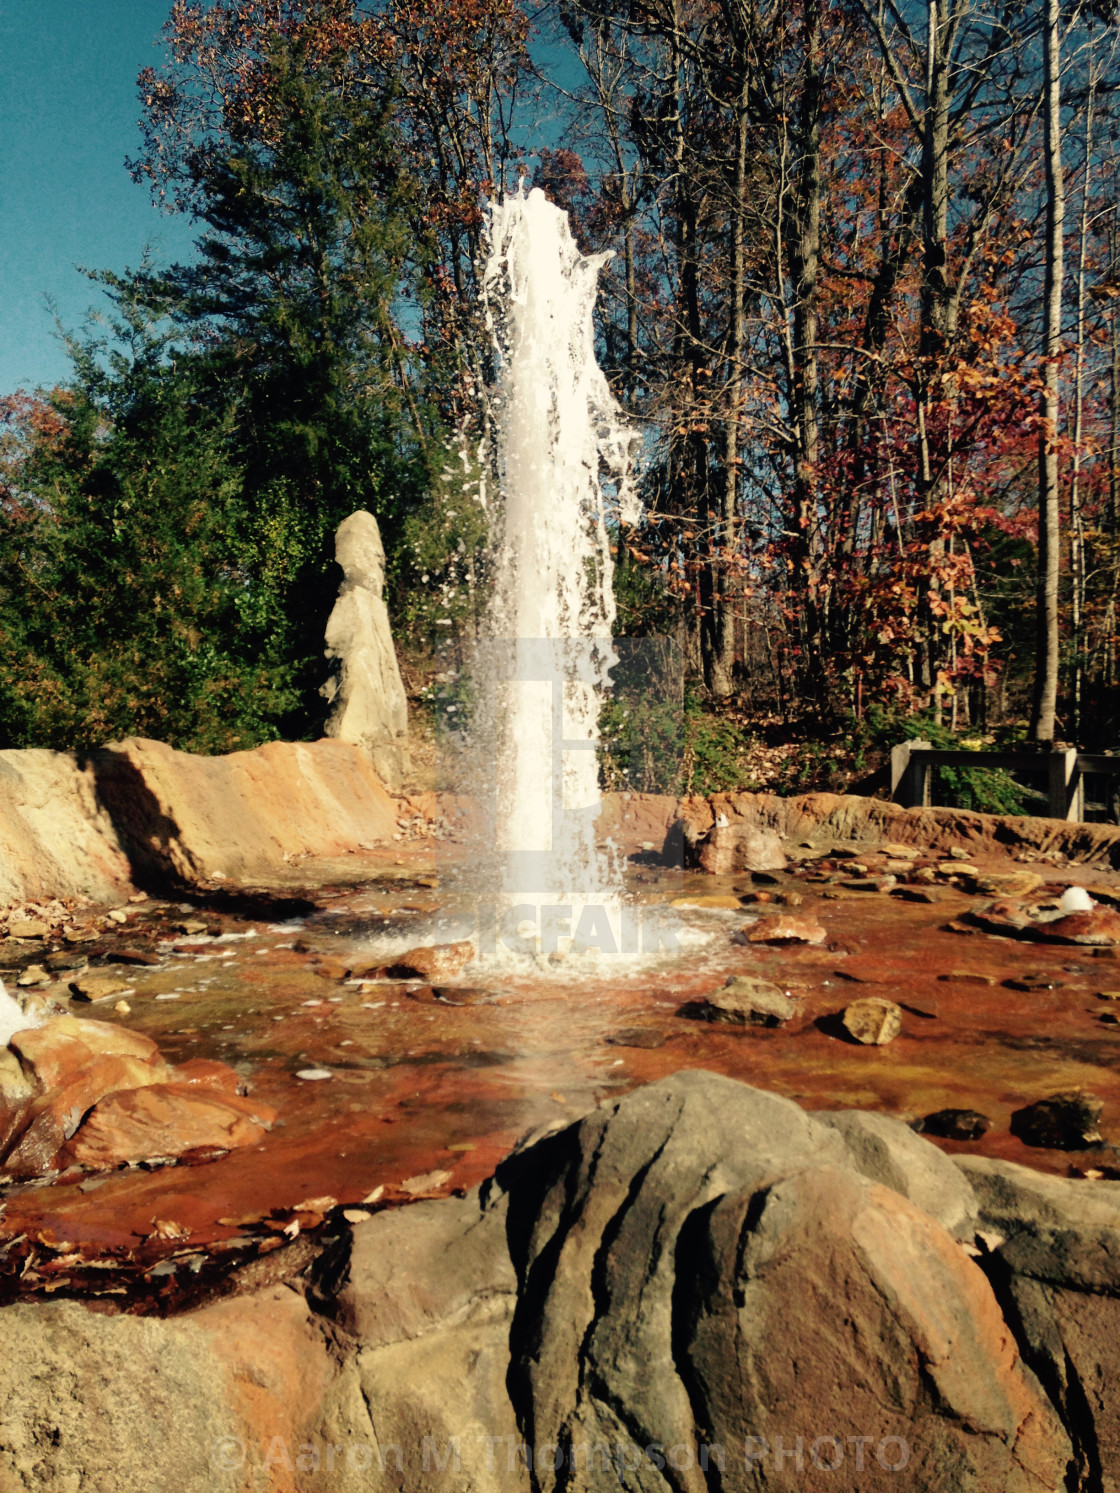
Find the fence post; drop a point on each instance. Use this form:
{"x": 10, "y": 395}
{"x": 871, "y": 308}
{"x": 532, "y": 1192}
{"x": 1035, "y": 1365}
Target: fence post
{"x": 1067, "y": 791}
{"x": 909, "y": 776}
{"x": 900, "y": 767}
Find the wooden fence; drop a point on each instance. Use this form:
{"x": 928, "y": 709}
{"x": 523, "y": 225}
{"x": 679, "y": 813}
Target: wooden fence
{"x": 1065, "y": 770}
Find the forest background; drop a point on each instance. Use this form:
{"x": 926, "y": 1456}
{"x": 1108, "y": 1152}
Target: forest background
{"x": 863, "y": 305}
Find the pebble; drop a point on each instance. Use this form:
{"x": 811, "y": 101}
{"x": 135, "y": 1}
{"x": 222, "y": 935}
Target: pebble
{"x": 314, "y": 1075}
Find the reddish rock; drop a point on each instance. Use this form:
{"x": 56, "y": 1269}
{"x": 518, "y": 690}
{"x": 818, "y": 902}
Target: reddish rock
{"x": 165, "y": 1119}
{"x": 58, "y": 1049}
{"x": 784, "y": 929}
{"x": 432, "y": 962}
{"x": 1101, "y": 926}
{"x": 48, "y": 1121}
{"x": 208, "y": 1073}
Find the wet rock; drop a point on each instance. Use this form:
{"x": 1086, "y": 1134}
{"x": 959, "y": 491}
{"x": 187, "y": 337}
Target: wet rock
{"x": 465, "y": 995}
{"x": 637, "y": 1036}
{"x": 872, "y": 1021}
{"x": 34, "y": 974}
{"x": 1063, "y": 1122}
{"x": 63, "y": 961}
{"x": 58, "y": 1049}
{"x": 1101, "y": 926}
{"x": 53, "y": 1117}
{"x": 916, "y": 894}
{"x": 1034, "y": 980}
{"x": 98, "y": 986}
{"x": 957, "y": 1124}
{"x": 741, "y": 847}
{"x": 208, "y": 1073}
{"x": 749, "y": 1002}
{"x": 785, "y": 929}
{"x": 167, "y": 1119}
{"x": 432, "y": 962}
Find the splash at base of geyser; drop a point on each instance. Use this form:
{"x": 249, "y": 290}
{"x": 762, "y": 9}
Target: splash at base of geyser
{"x": 563, "y": 457}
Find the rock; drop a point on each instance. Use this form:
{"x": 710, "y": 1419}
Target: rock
{"x": 1049, "y": 1228}
{"x": 872, "y": 1021}
{"x": 1101, "y": 927}
{"x": 1064, "y": 1122}
{"x": 34, "y": 974}
{"x": 28, "y": 928}
{"x": 741, "y": 847}
{"x": 637, "y": 1036}
{"x": 675, "y": 1229}
{"x": 726, "y": 904}
{"x": 113, "y": 1402}
{"x": 428, "y": 1295}
{"x": 58, "y": 1049}
{"x": 432, "y": 962}
{"x": 98, "y": 987}
{"x": 16, "y": 1085}
{"x": 366, "y": 694}
{"x": 967, "y": 977}
{"x": 749, "y": 1002}
{"x": 785, "y": 929}
{"x": 166, "y": 1119}
{"x": 209, "y": 1073}
{"x": 916, "y": 894}
{"x": 887, "y": 1151}
{"x": 1007, "y": 883}
{"x": 957, "y": 1124}
{"x": 1056, "y": 1253}
{"x": 52, "y": 1118}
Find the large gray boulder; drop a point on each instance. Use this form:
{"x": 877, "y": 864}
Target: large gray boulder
{"x": 369, "y": 708}
{"x": 704, "y": 1276}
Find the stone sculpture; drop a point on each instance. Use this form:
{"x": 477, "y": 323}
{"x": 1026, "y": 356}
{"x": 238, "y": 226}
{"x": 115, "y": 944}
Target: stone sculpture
{"x": 367, "y": 696}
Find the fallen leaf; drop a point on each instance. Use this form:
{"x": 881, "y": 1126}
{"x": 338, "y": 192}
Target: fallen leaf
{"x": 426, "y": 1182}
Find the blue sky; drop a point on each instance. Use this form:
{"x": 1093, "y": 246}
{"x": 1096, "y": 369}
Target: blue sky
{"x": 68, "y": 118}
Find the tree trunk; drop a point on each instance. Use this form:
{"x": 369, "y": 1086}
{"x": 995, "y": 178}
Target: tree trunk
{"x": 1046, "y": 654}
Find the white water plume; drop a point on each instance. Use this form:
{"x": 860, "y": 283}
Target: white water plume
{"x": 557, "y": 429}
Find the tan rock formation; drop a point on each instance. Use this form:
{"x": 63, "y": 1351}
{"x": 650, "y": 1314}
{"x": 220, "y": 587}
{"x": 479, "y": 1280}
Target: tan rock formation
{"x": 88, "y": 826}
{"x": 368, "y": 699}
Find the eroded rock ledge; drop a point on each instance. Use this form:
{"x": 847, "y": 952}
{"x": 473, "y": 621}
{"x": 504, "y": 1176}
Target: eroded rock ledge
{"x": 700, "y": 1273}
{"x": 139, "y": 813}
